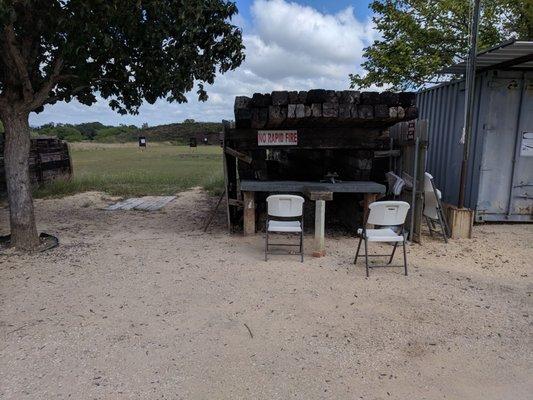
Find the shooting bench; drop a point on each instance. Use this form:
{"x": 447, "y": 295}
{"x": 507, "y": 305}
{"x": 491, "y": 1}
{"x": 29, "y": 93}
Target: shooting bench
{"x": 319, "y": 192}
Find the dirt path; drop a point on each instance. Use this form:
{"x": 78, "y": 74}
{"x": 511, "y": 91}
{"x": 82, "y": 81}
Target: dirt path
{"x": 139, "y": 305}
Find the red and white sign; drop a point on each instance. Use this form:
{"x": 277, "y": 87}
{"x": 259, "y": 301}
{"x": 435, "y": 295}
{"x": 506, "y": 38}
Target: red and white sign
{"x": 277, "y": 138}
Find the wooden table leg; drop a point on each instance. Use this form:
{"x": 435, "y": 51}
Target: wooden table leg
{"x": 249, "y": 213}
{"x": 368, "y": 198}
{"x": 320, "y": 219}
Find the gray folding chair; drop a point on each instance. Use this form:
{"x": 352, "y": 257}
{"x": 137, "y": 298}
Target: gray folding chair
{"x": 285, "y": 215}
{"x": 433, "y": 212}
{"x": 390, "y": 216}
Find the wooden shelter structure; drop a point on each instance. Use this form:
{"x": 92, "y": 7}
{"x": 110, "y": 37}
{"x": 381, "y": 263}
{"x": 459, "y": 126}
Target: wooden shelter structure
{"x": 327, "y": 145}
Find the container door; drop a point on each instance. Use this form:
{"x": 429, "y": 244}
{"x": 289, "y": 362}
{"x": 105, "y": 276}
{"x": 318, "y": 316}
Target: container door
{"x": 522, "y": 185}
{"x": 499, "y": 122}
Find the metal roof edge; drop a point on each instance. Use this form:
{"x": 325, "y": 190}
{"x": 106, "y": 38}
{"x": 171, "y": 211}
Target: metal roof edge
{"x": 456, "y": 67}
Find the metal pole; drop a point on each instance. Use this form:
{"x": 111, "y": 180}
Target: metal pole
{"x": 415, "y": 188}
{"x": 469, "y": 101}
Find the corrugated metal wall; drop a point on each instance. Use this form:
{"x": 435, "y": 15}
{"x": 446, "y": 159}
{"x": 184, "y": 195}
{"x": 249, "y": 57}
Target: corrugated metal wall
{"x": 496, "y": 172}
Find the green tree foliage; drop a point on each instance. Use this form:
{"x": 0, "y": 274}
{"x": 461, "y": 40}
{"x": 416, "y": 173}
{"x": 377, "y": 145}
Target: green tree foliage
{"x": 74, "y": 132}
{"x": 98, "y": 132}
{"x": 70, "y": 135}
{"x": 89, "y": 129}
{"x": 116, "y": 134}
{"x": 180, "y": 133}
{"x": 63, "y": 132}
{"x": 420, "y": 37}
{"x": 128, "y": 51}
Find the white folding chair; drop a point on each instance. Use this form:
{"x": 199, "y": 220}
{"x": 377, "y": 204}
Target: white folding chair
{"x": 390, "y": 216}
{"x": 285, "y": 215}
{"x": 433, "y": 212}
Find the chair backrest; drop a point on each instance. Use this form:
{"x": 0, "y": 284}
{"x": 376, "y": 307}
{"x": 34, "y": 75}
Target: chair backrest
{"x": 428, "y": 185}
{"x": 285, "y": 205}
{"x": 430, "y": 200}
{"x": 387, "y": 213}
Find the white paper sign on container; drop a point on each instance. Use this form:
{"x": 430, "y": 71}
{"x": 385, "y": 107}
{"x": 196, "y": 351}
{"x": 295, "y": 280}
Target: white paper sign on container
{"x": 526, "y": 147}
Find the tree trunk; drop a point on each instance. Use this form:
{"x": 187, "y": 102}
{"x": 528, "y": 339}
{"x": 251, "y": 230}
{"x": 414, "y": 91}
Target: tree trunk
{"x": 16, "y": 160}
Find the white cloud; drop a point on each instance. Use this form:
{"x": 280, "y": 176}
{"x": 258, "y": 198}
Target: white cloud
{"x": 303, "y": 30}
{"x": 288, "y": 47}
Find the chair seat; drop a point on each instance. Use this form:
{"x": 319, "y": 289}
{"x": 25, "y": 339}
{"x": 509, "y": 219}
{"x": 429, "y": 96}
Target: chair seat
{"x": 381, "y": 235}
{"x": 284, "y": 226}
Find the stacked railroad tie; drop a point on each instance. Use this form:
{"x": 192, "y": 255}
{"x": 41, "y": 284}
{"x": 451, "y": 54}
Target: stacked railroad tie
{"x": 285, "y": 109}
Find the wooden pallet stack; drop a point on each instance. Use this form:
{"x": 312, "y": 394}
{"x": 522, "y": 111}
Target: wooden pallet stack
{"x": 49, "y": 160}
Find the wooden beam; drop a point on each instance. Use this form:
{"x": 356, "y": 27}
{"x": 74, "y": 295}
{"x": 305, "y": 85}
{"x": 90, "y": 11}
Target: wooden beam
{"x": 317, "y": 193}
{"x": 312, "y": 138}
{"x": 237, "y": 154}
{"x": 236, "y": 203}
{"x": 386, "y": 153}
{"x": 249, "y": 213}
{"x": 214, "y": 211}
{"x": 367, "y": 199}
{"x": 226, "y": 190}
{"x": 301, "y": 186}
{"x": 319, "y": 249}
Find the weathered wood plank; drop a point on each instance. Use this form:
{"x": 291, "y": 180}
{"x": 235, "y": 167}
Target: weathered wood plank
{"x": 249, "y": 213}
{"x": 226, "y": 181}
{"x": 237, "y": 154}
{"x": 318, "y": 193}
{"x": 236, "y": 203}
{"x": 312, "y": 137}
{"x": 127, "y": 204}
{"x": 320, "y": 223}
{"x": 146, "y": 203}
{"x": 300, "y": 186}
{"x": 155, "y": 203}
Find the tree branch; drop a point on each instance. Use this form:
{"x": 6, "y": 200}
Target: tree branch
{"x": 60, "y": 78}
{"x": 44, "y": 92}
{"x": 18, "y": 61}
{"x": 76, "y": 90}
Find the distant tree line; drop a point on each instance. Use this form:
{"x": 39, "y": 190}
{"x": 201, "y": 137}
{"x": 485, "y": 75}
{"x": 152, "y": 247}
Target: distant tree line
{"x": 178, "y": 133}
{"x": 95, "y": 131}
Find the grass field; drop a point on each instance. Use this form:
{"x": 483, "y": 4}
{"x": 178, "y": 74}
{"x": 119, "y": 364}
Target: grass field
{"x": 124, "y": 170}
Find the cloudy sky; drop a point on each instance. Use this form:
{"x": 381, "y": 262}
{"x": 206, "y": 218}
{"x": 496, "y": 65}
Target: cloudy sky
{"x": 290, "y": 45}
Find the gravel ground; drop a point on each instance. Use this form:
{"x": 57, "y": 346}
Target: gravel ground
{"x": 137, "y": 305}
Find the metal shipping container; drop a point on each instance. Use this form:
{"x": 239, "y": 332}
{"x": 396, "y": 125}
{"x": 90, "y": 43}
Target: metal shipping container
{"x": 500, "y": 172}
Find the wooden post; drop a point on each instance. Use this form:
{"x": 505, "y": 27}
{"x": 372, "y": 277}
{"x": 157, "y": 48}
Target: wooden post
{"x": 320, "y": 220}
{"x": 319, "y": 196}
{"x": 418, "y": 206}
{"x": 367, "y": 199}
{"x": 249, "y": 213}
{"x": 460, "y": 221}
{"x": 226, "y": 190}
